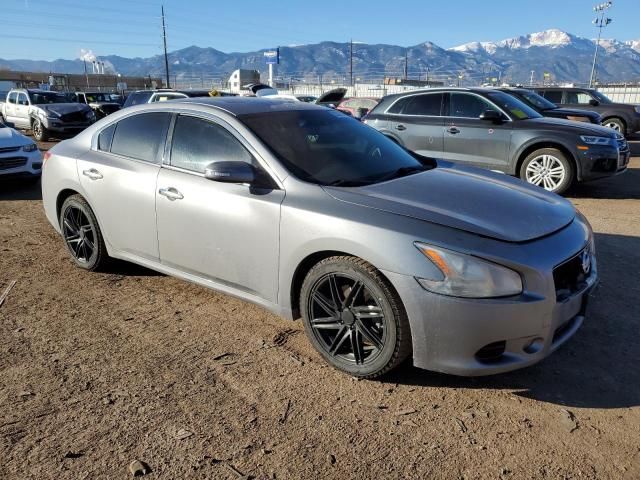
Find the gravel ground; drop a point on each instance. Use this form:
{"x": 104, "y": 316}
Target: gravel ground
{"x": 100, "y": 369}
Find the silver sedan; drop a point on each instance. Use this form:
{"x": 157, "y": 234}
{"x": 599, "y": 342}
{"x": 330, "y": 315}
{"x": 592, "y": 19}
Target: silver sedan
{"x": 383, "y": 253}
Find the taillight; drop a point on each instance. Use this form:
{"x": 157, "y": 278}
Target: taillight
{"x": 46, "y": 156}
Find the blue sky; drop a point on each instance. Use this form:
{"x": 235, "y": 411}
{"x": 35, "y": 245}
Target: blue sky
{"x": 47, "y": 29}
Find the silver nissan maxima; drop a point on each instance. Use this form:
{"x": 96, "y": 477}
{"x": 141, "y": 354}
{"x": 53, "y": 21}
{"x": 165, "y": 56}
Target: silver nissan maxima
{"x": 383, "y": 253}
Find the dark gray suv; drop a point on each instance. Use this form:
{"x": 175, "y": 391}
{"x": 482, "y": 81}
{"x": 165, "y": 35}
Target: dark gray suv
{"x": 622, "y": 117}
{"x": 487, "y": 128}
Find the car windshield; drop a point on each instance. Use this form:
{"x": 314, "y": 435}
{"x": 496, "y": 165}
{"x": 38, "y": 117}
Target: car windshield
{"x": 327, "y": 147}
{"x": 98, "y": 97}
{"x": 535, "y": 100}
{"x": 136, "y": 98}
{"x": 517, "y": 108}
{"x": 41, "y": 98}
{"x": 601, "y": 97}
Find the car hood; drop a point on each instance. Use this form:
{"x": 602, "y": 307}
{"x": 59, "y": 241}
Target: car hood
{"x": 64, "y": 108}
{"x": 11, "y": 138}
{"x": 574, "y": 112}
{"x": 580, "y": 128}
{"x": 469, "y": 199}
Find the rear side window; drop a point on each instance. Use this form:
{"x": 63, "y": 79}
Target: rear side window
{"x": 105, "y": 137}
{"x": 553, "y": 96}
{"x": 12, "y": 97}
{"x": 427, "y": 105}
{"x": 141, "y": 136}
{"x": 197, "y": 143}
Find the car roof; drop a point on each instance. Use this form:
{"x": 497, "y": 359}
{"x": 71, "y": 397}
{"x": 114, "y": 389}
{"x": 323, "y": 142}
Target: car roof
{"x": 248, "y": 105}
{"x": 565, "y": 88}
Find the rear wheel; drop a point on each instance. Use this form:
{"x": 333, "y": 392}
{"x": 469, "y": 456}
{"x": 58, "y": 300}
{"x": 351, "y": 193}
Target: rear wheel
{"x": 40, "y": 133}
{"x": 354, "y": 318}
{"x": 615, "y": 124}
{"x": 82, "y": 234}
{"x": 548, "y": 168}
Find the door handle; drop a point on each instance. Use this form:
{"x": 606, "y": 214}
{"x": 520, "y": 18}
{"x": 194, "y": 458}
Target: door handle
{"x": 400, "y": 127}
{"x": 92, "y": 173}
{"x": 171, "y": 193}
{"x": 453, "y": 130}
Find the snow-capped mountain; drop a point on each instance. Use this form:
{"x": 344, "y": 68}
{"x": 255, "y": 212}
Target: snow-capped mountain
{"x": 566, "y": 57}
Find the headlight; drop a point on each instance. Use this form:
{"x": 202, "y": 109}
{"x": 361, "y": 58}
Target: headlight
{"x": 593, "y": 140}
{"x": 467, "y": 276}
{"x": 32, "y": 147}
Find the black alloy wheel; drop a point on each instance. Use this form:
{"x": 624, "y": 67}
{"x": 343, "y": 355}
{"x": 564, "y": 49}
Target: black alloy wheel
{"x": 81, "y": 233}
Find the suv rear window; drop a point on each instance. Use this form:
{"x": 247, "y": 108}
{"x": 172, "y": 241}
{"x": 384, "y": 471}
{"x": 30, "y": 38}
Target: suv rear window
{"x": 553, "y": 96}
{"x": 141, "y": 136}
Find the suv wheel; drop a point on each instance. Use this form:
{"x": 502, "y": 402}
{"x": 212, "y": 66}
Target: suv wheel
{"x": 354, "y": 318}
{"x": 40, "y": 133}
{"x": 547, "y": 168}
{"x": 616, "y": 124}
{"x": 82, "y": 234}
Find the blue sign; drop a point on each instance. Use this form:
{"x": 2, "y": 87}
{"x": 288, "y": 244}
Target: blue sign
{"x": 272, "y": 56}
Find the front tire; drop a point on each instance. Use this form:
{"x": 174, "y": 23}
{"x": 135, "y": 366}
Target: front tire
{"x": 82, "y": 235}
{"x": 615, "y": 124}
{"x": 40, "y": 132}
{"x": 354, "y": 317}
{"x": 548, "y": 168}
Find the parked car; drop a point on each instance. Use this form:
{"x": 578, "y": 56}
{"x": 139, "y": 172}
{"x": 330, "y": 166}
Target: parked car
{"x": 487, "y": 128}
{"x": 358, "y": 107}
{"x": 312, "y": 214}
{"x": 332, "y": 98}
{"x": 621, "y": 117}
{"x": 19, "y": 155}
{"x": 100, "y": 102}
{"x": 307, "y": 98}
{"x": 151, "y": 96}
{"x": 548, "y": 109}
{"x": 46, "y": 113}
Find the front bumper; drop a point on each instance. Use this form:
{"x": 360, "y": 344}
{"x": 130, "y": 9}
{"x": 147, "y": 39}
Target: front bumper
{"x": 602, "y": 161}
{"x": 21, "y": 164}
{"x": 66, "y": 128}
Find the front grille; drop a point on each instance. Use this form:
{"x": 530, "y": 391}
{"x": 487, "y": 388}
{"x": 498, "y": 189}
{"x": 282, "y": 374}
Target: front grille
{"x": 570, "y": 276}
{"x": 73, "y": 117}
{"x": 12, "y": 162}
{"x": 9, "y": 149}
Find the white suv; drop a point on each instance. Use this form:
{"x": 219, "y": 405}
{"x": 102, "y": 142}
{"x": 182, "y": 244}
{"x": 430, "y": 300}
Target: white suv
{"x": 19, "y": 155}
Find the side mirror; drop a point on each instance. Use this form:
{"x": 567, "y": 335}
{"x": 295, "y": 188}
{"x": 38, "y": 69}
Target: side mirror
{"x": 593, "y": 102}
{"x": 230, "y": 172}
{"x": 491, "y": 116}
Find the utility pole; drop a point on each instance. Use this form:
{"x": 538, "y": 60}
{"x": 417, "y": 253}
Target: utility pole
{"x": 531, "y": 79}
{"x": 600, "y": 22}
{"x": 406, "y": 64}
{"x": 166, "y": 58}
{"x": 86, "y": 75}
{"x": 351, "y": 63}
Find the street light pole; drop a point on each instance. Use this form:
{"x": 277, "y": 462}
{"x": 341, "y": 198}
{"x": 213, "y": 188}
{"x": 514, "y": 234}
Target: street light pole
{"x": 600, "y": 22}
{"x": 164, "y": 39}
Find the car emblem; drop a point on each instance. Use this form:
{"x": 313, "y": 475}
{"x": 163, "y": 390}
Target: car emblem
{"x": 585, "y": 261}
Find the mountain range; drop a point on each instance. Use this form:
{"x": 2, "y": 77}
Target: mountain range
{"x": 564, "y": 56}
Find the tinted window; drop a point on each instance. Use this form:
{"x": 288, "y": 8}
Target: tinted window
{"x": 329, "y": 148}
{"x": 399, "y": 105}
{"x": 141, "y": 136}
{"x": 12, "y": 97}
{"x": 197, "y": 142}
{"x": 424, "y": 105}
{"x": 467, "y": 105}
{"x": 136, "y": 98}
{"x": 517, "y": 108}
{"x": 105, "y": 137}
{"x": 553, "y": 96}
{"x": 536, "y": 100}
{"x": 578, "y": 97}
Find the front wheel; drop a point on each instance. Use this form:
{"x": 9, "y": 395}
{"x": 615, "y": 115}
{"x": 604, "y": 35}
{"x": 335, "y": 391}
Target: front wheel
{"x": 82, "y": 234}
{"x": 354, "y": 318}
{"x": 548, "y": 168}
{"x": 40, "y": 132}
{"x": 615, "y": 124}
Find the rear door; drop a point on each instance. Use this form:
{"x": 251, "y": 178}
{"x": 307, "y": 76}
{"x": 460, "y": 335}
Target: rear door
{"x": 417, "y": 120}
{"x": 223, "y": 232}
{"x": 472, "y": 141}
{"x": 119, "y": 179}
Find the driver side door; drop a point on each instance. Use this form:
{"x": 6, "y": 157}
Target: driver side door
{"x": 222, "y": 232}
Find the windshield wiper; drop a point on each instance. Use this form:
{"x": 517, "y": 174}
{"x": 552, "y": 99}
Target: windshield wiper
{"x": 347, "y": 183}
{"x": 402, "y": 172}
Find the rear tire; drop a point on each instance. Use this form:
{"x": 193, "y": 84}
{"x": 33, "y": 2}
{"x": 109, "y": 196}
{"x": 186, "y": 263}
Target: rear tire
{"x": 82, "y": 235}
{"x": 40, "y": 133}
{"x": 615, "y": 124}
{"x": 548, "y": 168}
{"x": 354, "y": 318}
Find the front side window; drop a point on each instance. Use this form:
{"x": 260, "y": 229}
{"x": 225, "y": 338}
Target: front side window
{"x": 141, "y": 136}
{"x": 515, "y": 107}
{"x": 579, "y": 98}
{"x": 465, "y": 105}
{"x": 197, "y": 143}
{"x": 22, "y": 99}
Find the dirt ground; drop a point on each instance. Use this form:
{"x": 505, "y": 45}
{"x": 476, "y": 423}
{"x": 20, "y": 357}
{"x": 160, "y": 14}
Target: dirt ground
{"x": 100, "y": 369}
